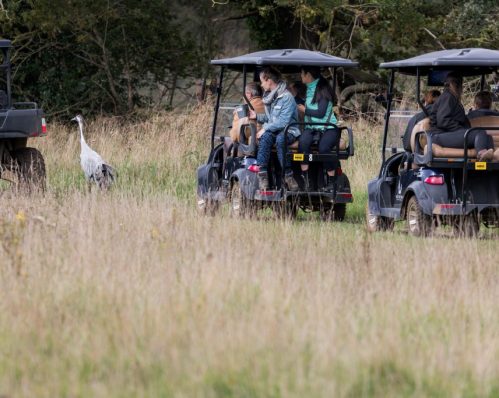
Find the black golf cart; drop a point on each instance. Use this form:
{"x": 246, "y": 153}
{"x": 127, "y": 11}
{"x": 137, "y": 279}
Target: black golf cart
{"x": 230, "y": 173}
{"x": 430, "y": 185}
{"x": 19, "y": 121}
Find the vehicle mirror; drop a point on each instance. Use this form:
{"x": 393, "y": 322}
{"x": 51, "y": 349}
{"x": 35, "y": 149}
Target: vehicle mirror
{"x": 437, "y": 77}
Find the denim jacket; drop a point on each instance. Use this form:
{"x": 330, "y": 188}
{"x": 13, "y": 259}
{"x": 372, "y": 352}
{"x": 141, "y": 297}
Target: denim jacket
{"x": 281, "y": 112}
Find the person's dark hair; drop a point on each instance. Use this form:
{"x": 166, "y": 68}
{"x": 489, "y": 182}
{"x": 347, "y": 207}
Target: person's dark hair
{"x": 324, "y": 89}
{"x": 454, "y": 82}
{"x": 300, "y": 89}
{"x": 254, "y": 88}
{"x": 271, "y": 73}
{"x": 483, "y": 100}
{"x": 431, "y": 96}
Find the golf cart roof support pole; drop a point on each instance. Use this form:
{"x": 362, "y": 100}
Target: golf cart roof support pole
{"x": 244, "y": 89}
{"x": 334, "y": 84}
{"x": 482, "y": 83}
{"x": 8, "y": 77}
{"x": 418, "y": 94}
{"x": 388, "y": 110}
{"x": 217, "y": 105}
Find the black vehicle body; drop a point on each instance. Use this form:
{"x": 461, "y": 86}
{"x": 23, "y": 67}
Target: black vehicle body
{"x": 229, "y": 173}
{"x": 461, "y": 192}
{"x": 18, "y": 122}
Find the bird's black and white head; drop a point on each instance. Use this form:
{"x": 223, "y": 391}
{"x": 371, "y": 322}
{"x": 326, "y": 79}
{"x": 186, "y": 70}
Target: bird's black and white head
{"x": 78, "y": 119}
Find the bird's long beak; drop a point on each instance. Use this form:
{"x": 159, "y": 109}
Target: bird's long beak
{"x": 74, "y": 119}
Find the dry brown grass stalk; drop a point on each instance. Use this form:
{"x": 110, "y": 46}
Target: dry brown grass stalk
{"x": 133, "y": 294}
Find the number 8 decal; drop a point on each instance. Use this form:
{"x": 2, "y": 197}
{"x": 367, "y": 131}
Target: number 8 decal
{"x": 310, "y": 157}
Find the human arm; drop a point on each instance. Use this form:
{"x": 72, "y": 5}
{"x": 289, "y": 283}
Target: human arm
{"x": 321, "y": 110}
{"x": 283, "y": 113}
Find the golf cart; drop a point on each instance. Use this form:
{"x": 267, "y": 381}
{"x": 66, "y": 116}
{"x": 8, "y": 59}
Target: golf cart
{"x": 19, "y": 121}
{"x": 430, "y": 185}
{"x": 230, "y": 173}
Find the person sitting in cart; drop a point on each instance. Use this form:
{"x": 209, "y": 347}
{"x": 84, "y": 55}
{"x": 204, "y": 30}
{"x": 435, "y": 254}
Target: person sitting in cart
{"x": 318, "y": 108}
{"x": 253, "y": 93}
{"x": 483, "y": 106}
{"x": 429, "y": 99}
{"x": 280, "y": 110}
{"x": 449, "y": 123}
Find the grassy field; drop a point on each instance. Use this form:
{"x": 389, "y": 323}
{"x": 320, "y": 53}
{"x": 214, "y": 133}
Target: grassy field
{"x": 131, "y": 293}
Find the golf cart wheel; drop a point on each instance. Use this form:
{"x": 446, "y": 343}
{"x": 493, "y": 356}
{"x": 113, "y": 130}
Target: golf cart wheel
{"x": 467, "y": 226}
{"x": 377, "y": 223}
{"x": 207, "y": 207}
{"x": 339, "y": 211}
{"x": 29, "y": 167}
{"x": 285, "y": 211}
{"x": 240, "y": 206}
{"x": 418, "y": 223}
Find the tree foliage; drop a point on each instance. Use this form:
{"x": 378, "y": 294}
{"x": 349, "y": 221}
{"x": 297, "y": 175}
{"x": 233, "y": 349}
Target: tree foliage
{"x": 95, "y": 55}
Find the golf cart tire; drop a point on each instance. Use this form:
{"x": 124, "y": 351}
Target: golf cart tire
{"x": 467, "y": 226}
{"x": 285, "y": 211}
{"x": 240, "y": 206}
{"x": 376, "y": 223}
{"x": 339, "y": 211}
{"x": 207, "y": 207}
{"x": 29, "y": 166}
{"x": 418, "y": 223}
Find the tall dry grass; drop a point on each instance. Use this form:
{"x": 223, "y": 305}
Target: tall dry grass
{"x": 131, "y": 293}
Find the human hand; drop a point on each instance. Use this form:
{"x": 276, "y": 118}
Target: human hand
{"x": 252, "y": 114}
{"x": 260, "y": 133}
{"x": 301, "y": 107}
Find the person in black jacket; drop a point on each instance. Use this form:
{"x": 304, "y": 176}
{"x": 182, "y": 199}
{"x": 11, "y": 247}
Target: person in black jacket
{"x": 448, "y": 121}
{"x": 429, "y": 99}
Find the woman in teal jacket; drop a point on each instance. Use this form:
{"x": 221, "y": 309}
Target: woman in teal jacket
{"x": 318, "y": 109}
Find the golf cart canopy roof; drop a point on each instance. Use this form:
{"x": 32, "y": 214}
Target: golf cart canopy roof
{"x": 466, "y": 61}
{"x": 289, "y": 59}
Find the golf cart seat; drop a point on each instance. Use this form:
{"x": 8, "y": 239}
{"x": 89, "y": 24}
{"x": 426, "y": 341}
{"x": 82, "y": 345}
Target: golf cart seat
{"x": 445, "y": 152}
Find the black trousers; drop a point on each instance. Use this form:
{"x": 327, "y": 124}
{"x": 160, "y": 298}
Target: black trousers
{"x": 327, "y": 141}
{"x": 477, "y": 139}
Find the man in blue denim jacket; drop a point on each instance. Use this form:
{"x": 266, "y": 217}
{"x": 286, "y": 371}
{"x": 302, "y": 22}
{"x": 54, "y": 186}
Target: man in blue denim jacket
{"x": 280, "y": 110}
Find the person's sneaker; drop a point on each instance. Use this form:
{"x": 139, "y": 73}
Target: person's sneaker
{"x": 291, "y": 182}
{"x": 485, "y": 155}
{"x": 263, "y": 180}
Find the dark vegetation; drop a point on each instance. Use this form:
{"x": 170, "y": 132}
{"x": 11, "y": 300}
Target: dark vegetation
{"x": 121, "y": 56}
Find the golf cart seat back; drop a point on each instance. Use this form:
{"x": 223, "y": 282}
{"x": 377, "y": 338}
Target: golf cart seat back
{"x": 343, "y": 145}
{"x": 445, "y": 152}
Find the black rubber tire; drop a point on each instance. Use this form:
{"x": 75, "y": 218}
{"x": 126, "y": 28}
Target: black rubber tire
{"x": 339, "y": 211}
{"x": 285, "y": 211}
{"x": 377, "y": 223}
{"x": 30, "y": 169}
{"x": 467, "y": 226}
{"x": 207, "y": 207}
{"x": 240, "y": 206}
{"x": 418, "y": 223}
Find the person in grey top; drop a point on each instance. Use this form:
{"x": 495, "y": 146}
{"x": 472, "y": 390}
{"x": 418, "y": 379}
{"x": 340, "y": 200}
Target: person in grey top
{"x": 280, "y": 110}
{"x": 483, "y": 106}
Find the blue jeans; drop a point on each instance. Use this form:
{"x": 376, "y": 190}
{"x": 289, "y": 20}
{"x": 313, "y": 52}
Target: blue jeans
{"x": 267, "y": 140}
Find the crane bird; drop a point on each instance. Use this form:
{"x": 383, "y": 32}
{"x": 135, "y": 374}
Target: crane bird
{"x": 94, "y": 167}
